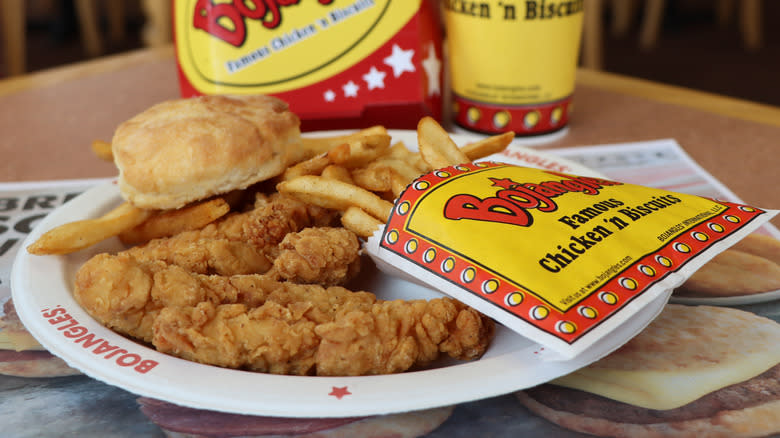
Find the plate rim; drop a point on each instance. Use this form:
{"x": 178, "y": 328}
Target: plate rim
{"x": 732, "y": 300}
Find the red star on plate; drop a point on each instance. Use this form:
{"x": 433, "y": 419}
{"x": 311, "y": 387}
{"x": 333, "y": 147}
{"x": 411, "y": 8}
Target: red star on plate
{"x": 505, "y": 183}
{"x": 340, "y": 392}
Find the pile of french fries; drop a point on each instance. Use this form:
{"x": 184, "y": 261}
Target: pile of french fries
{"x": 357, "y": 174}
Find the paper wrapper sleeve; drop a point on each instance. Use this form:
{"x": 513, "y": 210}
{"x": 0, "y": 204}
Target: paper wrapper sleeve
{"x": 562, "y": 260}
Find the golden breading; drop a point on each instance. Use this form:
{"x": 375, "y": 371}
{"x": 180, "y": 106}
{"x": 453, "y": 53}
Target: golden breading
{"x": 184, "y": 150}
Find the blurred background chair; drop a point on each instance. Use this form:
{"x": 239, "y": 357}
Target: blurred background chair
{"x": 12, "y": 13}
{"x": 100, "y": 24}
{"x": 15, "y": 13}
{"x": 592, "y": 35}
{"x": 157, "y": 29}
{"x": 622, "y": 15}
{"x": 748, "y": 13}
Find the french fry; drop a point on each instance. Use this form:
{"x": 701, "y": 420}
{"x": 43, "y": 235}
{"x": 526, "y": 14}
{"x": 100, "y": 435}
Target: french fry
{"x": 319, "y": 145}
{"x": 75, "y": 236}
{"x": 339, "y": 173}
{"x": 401, "y": 152}
{"x": 172, "y": 222}
{"x": 353, "y": 153}
{"x": 386, "y": 175}
{"x": 334, "y": 194}
{"x": 436, "y": 146}
{"x": 373, "y": 178}
{"x": 312, "y": 166}
{"x": 398, "y": 184}
{"x": 103, "y": 150}
{"x": 360, "y": 222}
{"x": 360, "y": 152}
{"x": 488, "y": 146}
{"x": 405, "y": 170}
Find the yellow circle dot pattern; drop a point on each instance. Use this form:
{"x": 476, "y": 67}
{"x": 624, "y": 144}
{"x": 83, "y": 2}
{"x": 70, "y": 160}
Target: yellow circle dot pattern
{"x": 392, "y": 237}
{"x": 421, "y": 185}
{"x": 501, "y": 119}
{"x": 513, "y": 299}
{"x": 473, "y": 115}
{"x": 664, "y": 261}
{"x": 628, "y": 283}
{"x": 448, "y": 265}
{"x": 555, "y": 116}
{"x": 565, "y": 327}
{"x": 489, "y": 286}
{"x": 539, "y": 312}
{"x": 468, "y": 275}
{"x": 531, "y": 119}
{"x": 588, "y": 312}
{"x": 682, "y": 248}
{"x": 718, "y": 228}
{"x": 647, "y": 270}
{"x": 608, "y": 298}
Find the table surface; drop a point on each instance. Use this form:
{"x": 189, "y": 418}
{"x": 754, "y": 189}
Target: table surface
{"x": 49, "y": 119}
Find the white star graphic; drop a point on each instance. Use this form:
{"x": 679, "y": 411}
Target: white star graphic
{"x": 329, "y": 96}
{"x": 350, "y": 89}
{"x": 400, "y": 60}
{"x": 432, "y": 67}
{"x": 375, "y": 78}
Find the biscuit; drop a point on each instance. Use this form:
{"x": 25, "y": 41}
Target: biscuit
{"x": 732, "y": 273}
{"x": 180, "y": 151}
{"x": 754, "y": 421}
{"x": 27, "y": 358}
{"x": 760, "y": 245}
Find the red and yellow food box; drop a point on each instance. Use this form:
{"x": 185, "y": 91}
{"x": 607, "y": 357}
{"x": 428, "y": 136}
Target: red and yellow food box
{"x": 563, "y": 260}
{"x": 338, "y": 63}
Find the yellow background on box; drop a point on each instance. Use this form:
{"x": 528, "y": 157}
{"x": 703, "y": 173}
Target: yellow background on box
{"x": 329, "y": 51}
{"x": 513, "y": 252}
{"x": 491, "y": 56}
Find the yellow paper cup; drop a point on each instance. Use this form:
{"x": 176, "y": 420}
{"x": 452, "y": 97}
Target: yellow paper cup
{"x": 513, "y": 63}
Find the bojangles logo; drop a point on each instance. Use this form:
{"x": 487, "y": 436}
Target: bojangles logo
{"x": 513, "y": 202}
{"x": 227, "y": 21}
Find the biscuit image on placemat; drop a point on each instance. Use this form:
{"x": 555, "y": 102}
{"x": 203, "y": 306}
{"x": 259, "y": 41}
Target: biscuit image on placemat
{"x": 694, "y": 371}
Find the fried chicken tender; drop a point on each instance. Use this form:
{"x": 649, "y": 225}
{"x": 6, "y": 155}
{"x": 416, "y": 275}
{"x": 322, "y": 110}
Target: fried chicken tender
{"x": 308, "y": 334}
{"x": 282, "y": 214}
{"x": 204, "y": 255}
{"x": 324, "y": 255}
{"x": 276, "y": 337}
{"x": 256, "y": 322}
{"x": 241, "y": 243}
{"x": 396, "y": 335}
{"x": 126, "y": 295}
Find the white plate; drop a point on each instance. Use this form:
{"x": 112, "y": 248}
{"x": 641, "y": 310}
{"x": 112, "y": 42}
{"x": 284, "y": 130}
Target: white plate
{"x": 43, "y": 283}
